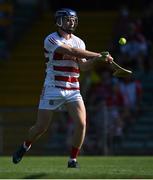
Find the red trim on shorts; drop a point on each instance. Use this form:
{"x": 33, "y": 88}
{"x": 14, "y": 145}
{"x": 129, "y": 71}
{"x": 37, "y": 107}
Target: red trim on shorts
{"x": 66, "y": 79}
{"x": 66, "y": 88}
{"x": 66, "y": 69}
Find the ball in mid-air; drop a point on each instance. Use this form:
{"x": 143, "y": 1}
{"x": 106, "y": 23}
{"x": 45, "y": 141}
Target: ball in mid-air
{"x": 122, "y": 41}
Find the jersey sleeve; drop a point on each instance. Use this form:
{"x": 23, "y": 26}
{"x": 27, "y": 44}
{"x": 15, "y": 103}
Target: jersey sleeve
{"x": 82, "y": 45}
{"x": 50, "y": 45}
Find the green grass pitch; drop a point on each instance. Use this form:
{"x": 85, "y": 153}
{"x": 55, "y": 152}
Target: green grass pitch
{"x": 93, "y": 167}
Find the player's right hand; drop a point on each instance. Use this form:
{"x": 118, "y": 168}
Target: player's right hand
{"x": 105, "y": 56}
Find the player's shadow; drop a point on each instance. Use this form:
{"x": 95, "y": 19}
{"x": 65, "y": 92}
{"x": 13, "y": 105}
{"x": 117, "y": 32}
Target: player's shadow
{"x": 35, "y": 176}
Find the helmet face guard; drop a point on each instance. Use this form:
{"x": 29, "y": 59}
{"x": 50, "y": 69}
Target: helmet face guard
{"x": 67, "y": 20}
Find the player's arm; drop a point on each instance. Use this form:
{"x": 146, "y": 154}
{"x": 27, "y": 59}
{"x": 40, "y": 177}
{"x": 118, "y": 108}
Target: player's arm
{"x": 85, "y": 64}
{"x": 52, "y": 45}
{"x": 77, "y": 52}
{"x": 88, "y": 64}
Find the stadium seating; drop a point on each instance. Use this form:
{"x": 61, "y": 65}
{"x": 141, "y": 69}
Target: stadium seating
{"x": 138, "y": 139}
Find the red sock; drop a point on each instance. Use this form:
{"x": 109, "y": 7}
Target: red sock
{"x": 27, "y": 143}
{"x": 74, "y": 152}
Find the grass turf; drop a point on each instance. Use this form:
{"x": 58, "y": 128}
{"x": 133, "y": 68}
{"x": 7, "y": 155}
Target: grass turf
{"x": 92, "y": 167}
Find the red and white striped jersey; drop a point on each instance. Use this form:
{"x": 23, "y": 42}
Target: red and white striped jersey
{"x": 62, "y": 71}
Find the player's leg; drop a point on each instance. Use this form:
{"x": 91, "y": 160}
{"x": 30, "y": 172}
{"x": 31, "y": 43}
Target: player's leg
{"x": 41, "y": 125}
{"x": 77, "y": 111}
{"x": 39, "y": 128}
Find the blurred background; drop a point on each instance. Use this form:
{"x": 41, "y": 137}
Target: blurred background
{"x": 119, "y": 110}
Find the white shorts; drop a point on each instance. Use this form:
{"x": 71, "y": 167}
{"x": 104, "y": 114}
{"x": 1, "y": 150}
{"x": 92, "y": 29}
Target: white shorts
{"x": 53, "y": 98}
